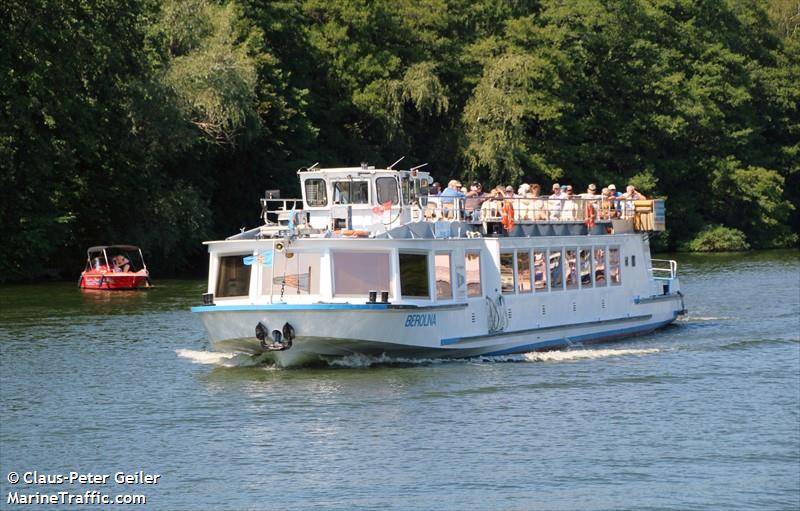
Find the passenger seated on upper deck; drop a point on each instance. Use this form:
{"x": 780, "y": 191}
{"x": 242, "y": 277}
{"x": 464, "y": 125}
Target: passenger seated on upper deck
{"x": 569, "y": 208}
{"x": 630, "y": 195}
{"x": 523, "y": 210}
{"x": 608, "y": 208}
{"x": 539, "y": 204}
{"x": 475, "y": 198}
{"x": 451, "y": 198}
{"x": 492, "y": 209}
{"x": 555, "y": 202}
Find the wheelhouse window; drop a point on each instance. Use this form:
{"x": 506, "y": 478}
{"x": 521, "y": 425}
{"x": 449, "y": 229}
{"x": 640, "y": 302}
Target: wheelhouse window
{"x": 387, "y": 190}
{"x": 233, "y": 278}
{"x": 358, "y": 273}
{"x": 507, "y": 272}
{"x": 613, "y": 266}
{"x": 600, "y": 266}
{"x": 539, "y": 270}
{"x": 316, "y": 192}
{"x": 556, "y": 270}
{"x": 351, "y": 192}
{"x": 473, "y": 269}
{"x": 524, "y": 271}
{"x": 414, "y": 276}
{"x": 292, "y": 274}
{"x": 586, "y": 268}
{"x": 572, "y": 268}
{"x": 444, "y": 285}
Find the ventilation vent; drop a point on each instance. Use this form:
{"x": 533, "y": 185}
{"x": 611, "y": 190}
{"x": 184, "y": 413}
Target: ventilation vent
{"x": 544, "y": 310}
{"x": 574, "y": 307}
{"x": 603, "y": 303}
{"x": 508, "y": 313}
{"x": 473, "y": 317}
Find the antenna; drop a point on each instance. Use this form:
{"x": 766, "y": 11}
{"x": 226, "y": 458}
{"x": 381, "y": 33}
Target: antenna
{"x": 313, "y": 166}
{"x": 418, "y": 166}
{"x": 395, "y": 163}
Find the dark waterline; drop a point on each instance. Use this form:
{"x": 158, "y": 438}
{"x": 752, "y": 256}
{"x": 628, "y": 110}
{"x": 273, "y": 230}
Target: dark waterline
{"x": 702, "y": 415}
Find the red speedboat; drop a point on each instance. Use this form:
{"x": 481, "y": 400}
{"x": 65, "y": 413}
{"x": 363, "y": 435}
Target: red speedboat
{"x": 114, "y": 267}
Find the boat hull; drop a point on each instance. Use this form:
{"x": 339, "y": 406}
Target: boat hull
{"x": 431, "y": 332}
{"x": 113, "y": 281}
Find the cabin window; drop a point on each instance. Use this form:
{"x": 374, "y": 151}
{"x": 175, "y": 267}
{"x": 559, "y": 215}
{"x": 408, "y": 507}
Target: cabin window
{"x": 316, "y": 192}
{"x": 405, "y": 183}
{"x": 633, "y": 260}
{"x": 420, "y": 189}
{"x": 473, "y": 269}
{"x": 556, "y": 271}
{"x": 507, "y": 272}
{"x": 414, "y": 276}
{"x": 613, "y": 266}
{"x": 351, "y": 192}
{"x": 600, "y": 266}
{"x": 233, "y": 278}
{"x": 292, "y": 274}
{"x": 572, "y": 269}
{"x": 524, "y": 272}
{"x": 539, "y": 270}
{"x": 586, "y": 268}
{"x": 358, "y": 273}
{"x": 387, "y": 190}
{"x": 444, "y": 286}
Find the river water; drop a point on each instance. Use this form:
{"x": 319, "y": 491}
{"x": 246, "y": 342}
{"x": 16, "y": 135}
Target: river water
{"x": 702, "y": 415}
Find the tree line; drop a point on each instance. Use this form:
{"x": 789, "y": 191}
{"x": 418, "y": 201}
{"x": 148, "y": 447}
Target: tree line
{"x": 161, "y": 122}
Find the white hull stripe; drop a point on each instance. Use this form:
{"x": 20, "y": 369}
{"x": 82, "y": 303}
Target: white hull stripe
{"x": 457, "y": 340}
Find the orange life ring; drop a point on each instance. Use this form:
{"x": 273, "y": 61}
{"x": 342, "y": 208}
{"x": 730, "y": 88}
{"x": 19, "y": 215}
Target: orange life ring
{"x": 508, "y": 216}
{"x": 589, "y": 215}
{"x": 352, "y": 232}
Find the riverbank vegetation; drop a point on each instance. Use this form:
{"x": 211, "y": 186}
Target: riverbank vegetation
{"x": 161, "y": 122}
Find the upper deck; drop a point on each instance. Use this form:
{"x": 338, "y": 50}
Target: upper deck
{"x": 387, "y": 203}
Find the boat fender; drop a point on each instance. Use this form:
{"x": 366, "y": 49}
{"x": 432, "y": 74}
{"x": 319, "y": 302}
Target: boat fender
{"x": 508, "y": 216}
{"x": 589, "y": 215}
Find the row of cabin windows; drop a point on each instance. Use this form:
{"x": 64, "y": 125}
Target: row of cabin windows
{"x": 357, "y": 191}
{"x": 355, "y": 274}
{"x": 526, "y": 271}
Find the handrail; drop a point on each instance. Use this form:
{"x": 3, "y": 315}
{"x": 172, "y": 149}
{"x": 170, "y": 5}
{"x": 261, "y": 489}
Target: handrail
{"x": 646, "y": 215}
{"x": 671, "y": 271}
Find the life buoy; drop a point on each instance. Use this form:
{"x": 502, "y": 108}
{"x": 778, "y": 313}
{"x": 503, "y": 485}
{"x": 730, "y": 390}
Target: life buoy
{"x": 352, "y": 233}
{"x": 508, "y": 216}
{"x": 589, "y": 215}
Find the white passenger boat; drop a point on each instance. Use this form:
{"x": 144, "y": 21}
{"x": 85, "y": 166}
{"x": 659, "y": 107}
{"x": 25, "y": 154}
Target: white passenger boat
{"x": 366, "y": 263}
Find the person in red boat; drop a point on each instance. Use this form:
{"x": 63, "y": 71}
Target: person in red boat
{"x": 121, "y": 263}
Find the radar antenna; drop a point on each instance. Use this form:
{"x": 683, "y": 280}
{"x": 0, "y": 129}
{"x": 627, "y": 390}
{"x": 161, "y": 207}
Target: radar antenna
{"x": 395, "y": 163}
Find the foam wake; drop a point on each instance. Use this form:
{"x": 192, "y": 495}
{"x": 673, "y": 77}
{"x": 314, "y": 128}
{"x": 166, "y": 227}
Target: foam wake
{"x": 362, "y": 361}
{"x": 217, "y": 358}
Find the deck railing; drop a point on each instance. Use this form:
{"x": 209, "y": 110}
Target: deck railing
{"x": 647, "y": 215}
{"x": 664, "y": 269}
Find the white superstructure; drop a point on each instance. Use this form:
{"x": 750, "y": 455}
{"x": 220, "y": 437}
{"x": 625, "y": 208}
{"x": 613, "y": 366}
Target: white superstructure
{"x": 367, "y": 263}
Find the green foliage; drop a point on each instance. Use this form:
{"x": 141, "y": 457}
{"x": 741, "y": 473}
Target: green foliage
{"x": 717, "y": 238}
{"x": 166, "y": 119}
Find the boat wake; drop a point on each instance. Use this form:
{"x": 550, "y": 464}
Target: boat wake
{"x": 218, "y": 359}
{"x": 692, "y": 319}
{"x": 360, "y": 361}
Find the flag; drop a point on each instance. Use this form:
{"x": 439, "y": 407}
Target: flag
{"x": 291, "y": 217}
{"x": 264, "y": 258}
